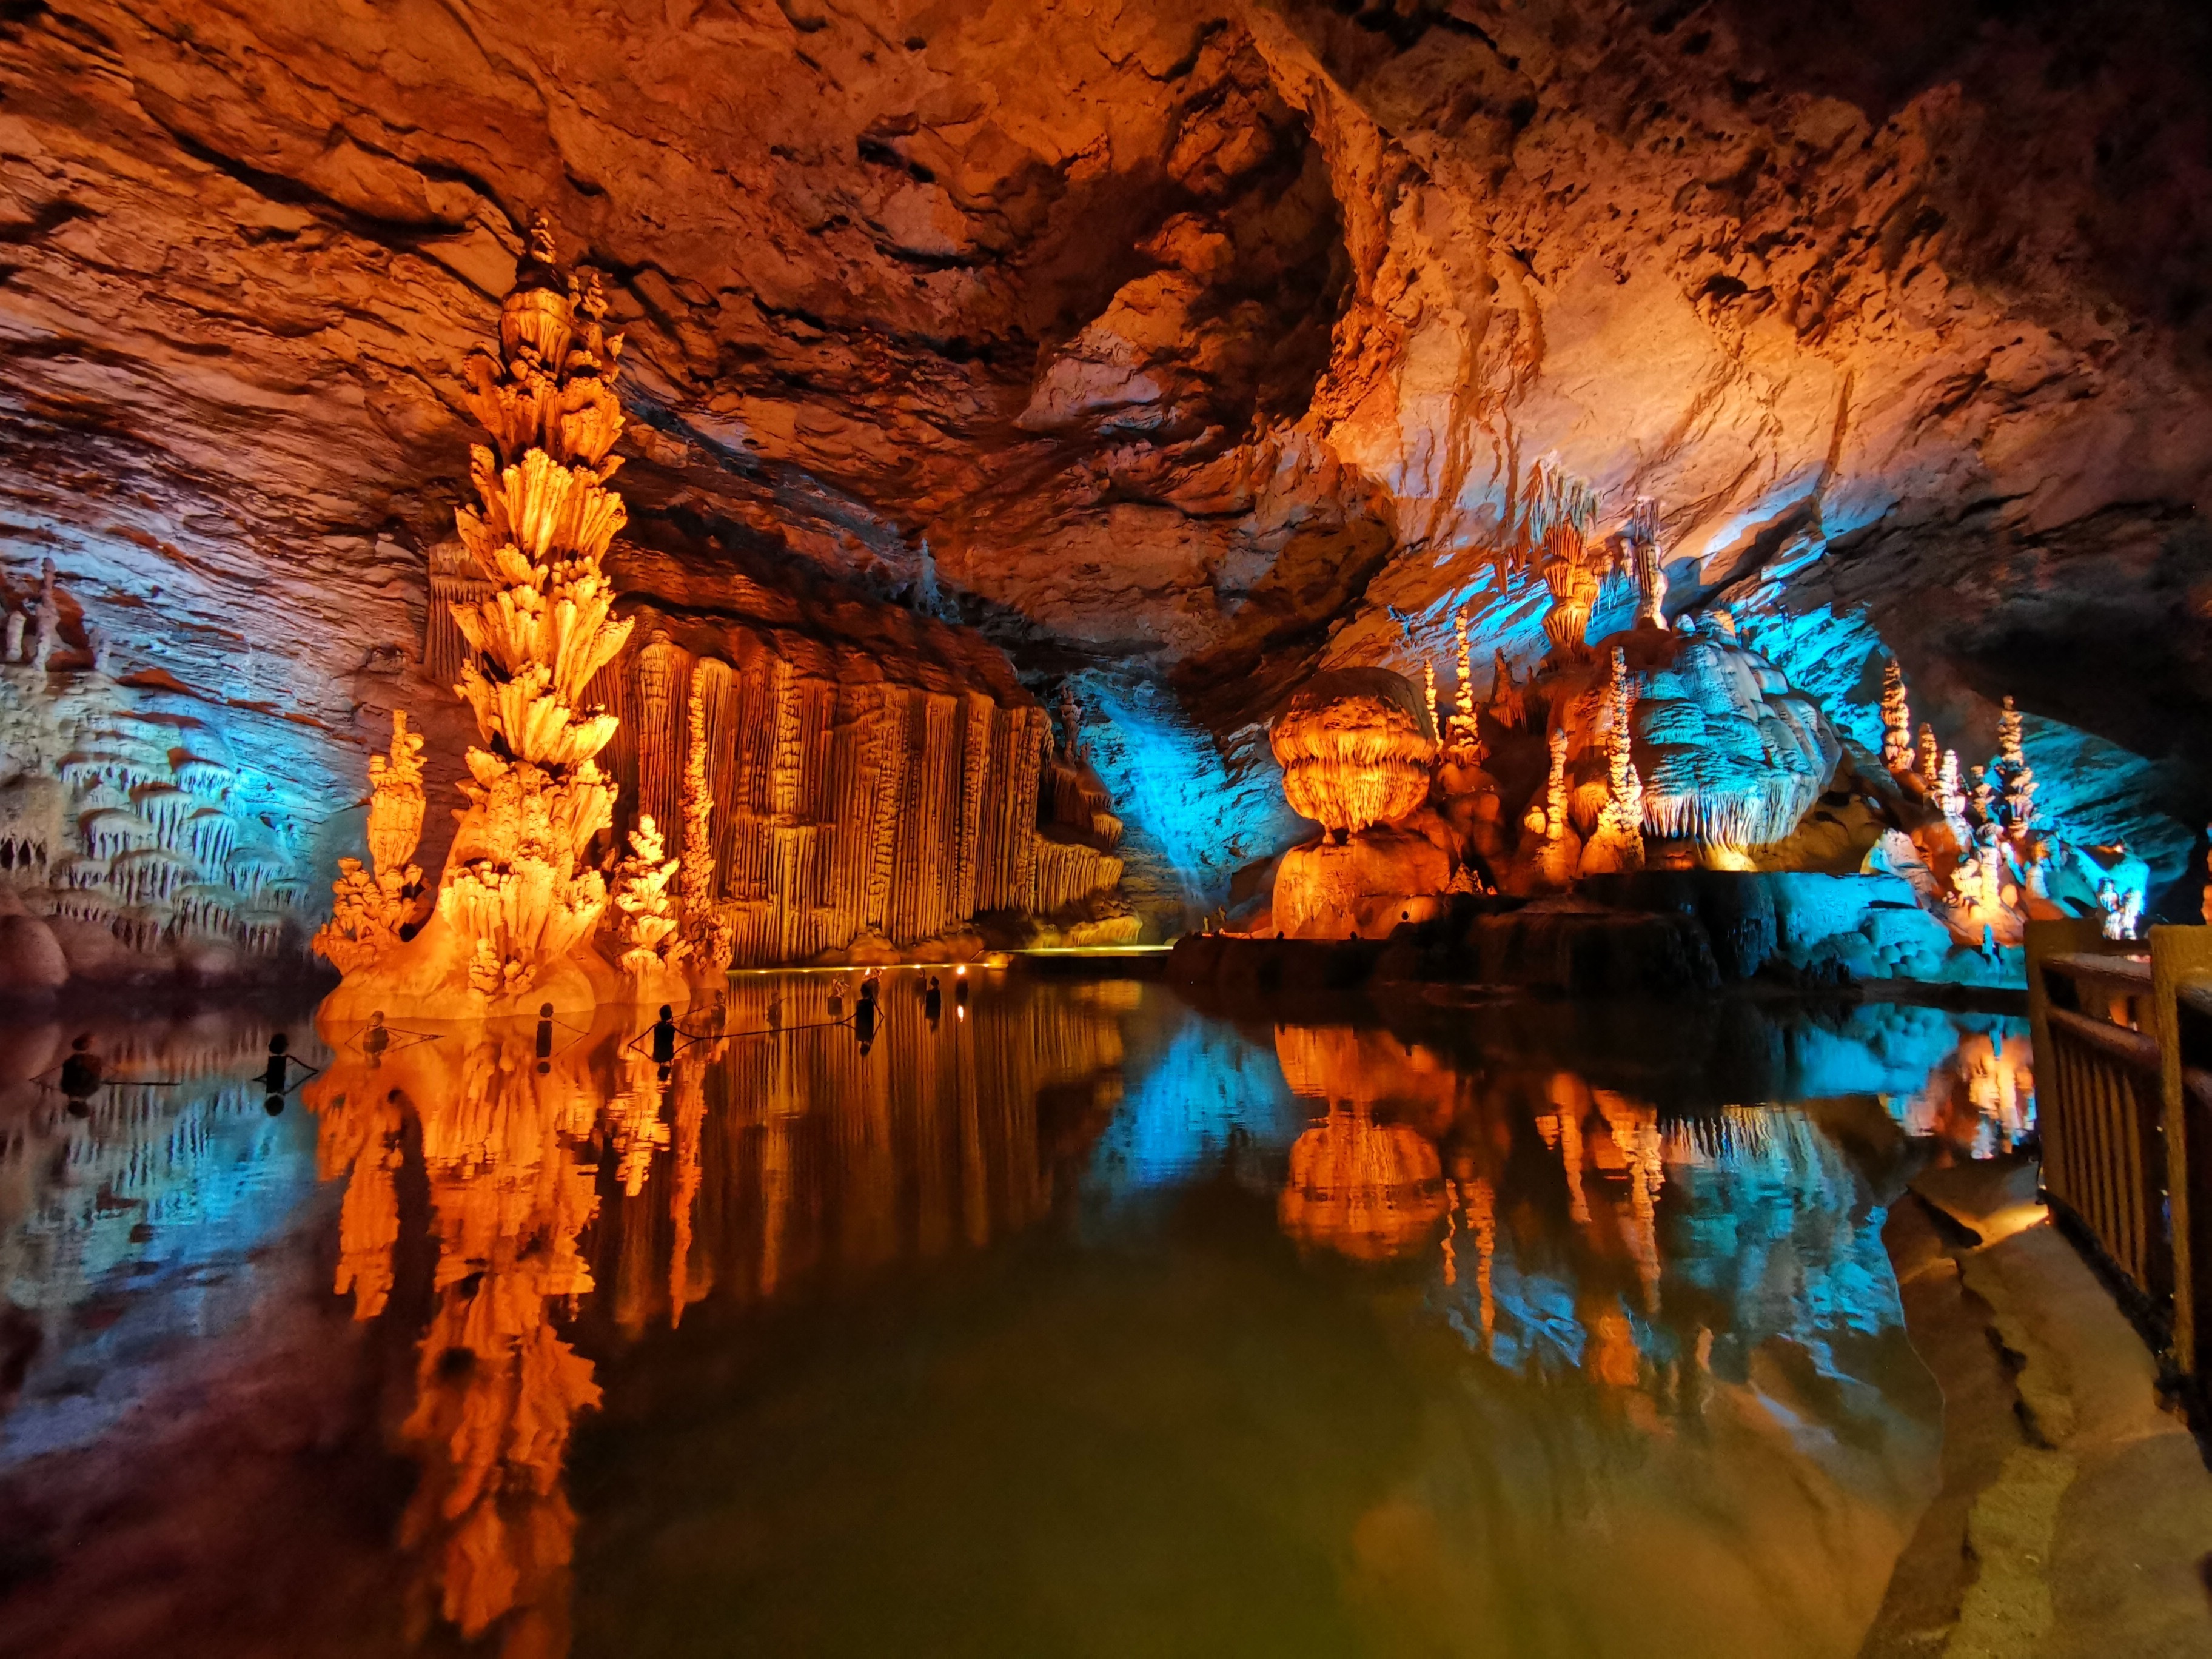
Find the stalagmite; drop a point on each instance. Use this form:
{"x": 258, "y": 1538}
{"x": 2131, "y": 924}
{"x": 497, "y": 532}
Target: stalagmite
{"x": 46, "y": 619}
{"x": 370, "y": 906}
{"x": 1355, "y": 749}
{"x": 1466, "y": 711}
{"x": 1429, "y": 694}
{"x": 647, "y": 925}
{"x": 1930, "y": 760}
{"x": 1896, "y": 721}
{"x": 518, "y": 900}
{"x": 1951, "y": 798}
{"x": 1618, "y": 842}
{"x": 707, "y": 933}
{"x": 1508, "y": 707}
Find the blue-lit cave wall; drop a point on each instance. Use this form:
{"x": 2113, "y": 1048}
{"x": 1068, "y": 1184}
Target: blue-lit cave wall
{"x": 1196, "y": 808}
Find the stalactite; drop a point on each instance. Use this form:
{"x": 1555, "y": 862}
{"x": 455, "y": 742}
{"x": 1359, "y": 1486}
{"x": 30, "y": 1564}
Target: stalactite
{"x": 1574, "y": 571}
{"x": 1647, "y": 564}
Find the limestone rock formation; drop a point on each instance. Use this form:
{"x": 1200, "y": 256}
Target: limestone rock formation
{"x": 372, "y": 904}
{"x": 1195, "y": 343}
{"x": 151, "y": 835}
{"x": 1355, "y": 746}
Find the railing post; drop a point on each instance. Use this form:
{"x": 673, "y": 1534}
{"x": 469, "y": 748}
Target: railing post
{"x": 2177, "y": 956}
{"x": 2052, "y": 1120}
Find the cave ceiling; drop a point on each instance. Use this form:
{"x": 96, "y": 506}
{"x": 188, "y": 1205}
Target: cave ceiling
{"x": 1187, "y": 346}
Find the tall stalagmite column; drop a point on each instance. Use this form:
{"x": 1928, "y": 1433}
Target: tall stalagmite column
{"x": 515, "y": 889}
{"x": 516, "y": 911}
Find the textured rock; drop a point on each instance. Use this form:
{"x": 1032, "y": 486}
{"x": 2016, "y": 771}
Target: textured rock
{"x": 1188, "y": 346}
{"x": 31, "y": 961}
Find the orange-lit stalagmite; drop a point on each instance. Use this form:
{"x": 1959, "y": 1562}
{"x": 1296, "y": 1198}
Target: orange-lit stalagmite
{"x": 1357, "y": 750}
{"x": 370, "y": 905}
{"x": 517, "y": 906}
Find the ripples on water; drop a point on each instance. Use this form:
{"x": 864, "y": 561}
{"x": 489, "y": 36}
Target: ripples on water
{"x": 1080, "y": 1321}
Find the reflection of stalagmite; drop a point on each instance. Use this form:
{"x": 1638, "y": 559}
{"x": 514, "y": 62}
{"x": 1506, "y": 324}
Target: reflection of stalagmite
{"x": 1562, "y": 1128}
{"x": 1368, "y": 1190}
{"x": 1633, "y": 1129}
{"x": 1480, "y": 1200}
{"x": 360, "y": 1141}
{"x": 636, "y": 1133}
{"x": 499, "y": 1390}
{"x": 686, "y": 1135}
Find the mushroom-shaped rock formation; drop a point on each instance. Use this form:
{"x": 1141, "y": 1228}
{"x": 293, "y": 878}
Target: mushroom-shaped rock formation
{"x": 1725, "y": 758}
{"x": 1356, "y": 746}
{"x": 1731, "y": 757}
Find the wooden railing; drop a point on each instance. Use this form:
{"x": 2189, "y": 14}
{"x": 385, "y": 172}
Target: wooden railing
{"x": 2123, "y": 1034}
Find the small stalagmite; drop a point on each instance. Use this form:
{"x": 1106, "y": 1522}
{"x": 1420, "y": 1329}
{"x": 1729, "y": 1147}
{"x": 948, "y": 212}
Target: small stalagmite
{"x": 647, "y": 927}
{"x": 1896, "y": 721}
{"x": 1618, "y": 843}
{"x": 370, "y": 905}
{"x": 707, "y": 931}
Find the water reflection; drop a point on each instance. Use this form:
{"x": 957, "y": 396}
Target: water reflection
{"x": 835, "y": 1150}
{"x": 1353, "y": 1337}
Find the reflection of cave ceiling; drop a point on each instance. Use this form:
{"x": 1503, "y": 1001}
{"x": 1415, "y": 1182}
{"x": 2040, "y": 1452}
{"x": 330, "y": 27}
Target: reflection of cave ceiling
{"x": 1186, "y": 345}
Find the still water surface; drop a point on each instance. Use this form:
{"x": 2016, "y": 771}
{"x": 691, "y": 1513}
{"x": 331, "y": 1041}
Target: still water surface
{"x": 1079, "y": 1322}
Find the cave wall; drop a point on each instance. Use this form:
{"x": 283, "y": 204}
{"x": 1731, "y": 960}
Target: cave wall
{"x": 1183, "y": 349}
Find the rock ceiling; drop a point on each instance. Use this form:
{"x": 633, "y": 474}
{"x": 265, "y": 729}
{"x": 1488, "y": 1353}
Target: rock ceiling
{"x": 1188, "y": 346}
